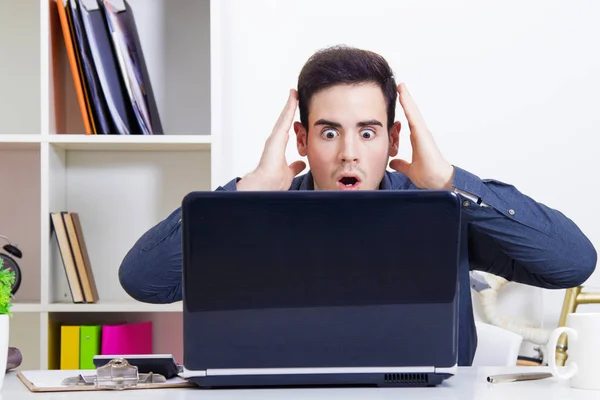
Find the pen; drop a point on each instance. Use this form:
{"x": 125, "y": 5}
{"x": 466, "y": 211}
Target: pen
{"x": 530, "y": 376}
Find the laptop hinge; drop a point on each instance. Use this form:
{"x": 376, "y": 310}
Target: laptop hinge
{"x": 447, "y": 370}
{"x": 333, "y": 370}
{"x": 188, "y": 373}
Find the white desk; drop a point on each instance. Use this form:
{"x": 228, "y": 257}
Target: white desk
{"x": 469, "y": 383}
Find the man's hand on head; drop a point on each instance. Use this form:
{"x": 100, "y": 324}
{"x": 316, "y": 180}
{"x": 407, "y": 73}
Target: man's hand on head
{"x": 273, "y": 171}
{"x": 428, "y": 168}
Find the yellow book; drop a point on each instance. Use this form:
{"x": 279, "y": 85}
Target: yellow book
{"x": 69, "y": 347}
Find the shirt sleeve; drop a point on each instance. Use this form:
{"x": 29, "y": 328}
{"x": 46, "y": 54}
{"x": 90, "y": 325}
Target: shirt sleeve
{"x": 151, "y": 270}
{"x": 521, "y": 239}
{"x": 230, "y": 186}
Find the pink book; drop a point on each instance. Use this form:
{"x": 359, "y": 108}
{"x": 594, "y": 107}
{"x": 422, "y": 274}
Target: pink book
{"x": 127, "y": 339}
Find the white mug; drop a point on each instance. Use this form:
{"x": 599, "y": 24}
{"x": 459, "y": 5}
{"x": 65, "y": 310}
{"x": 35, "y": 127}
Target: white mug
{"x": 583, "y": 362}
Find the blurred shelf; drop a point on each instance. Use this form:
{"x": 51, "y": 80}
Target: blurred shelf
{"x": 131, "y": 142}
{"x": 116, "y": 306}
{"x": 108, "y": 142}
{"x": 19, "y": 142}
{"x": 26, "y": 307}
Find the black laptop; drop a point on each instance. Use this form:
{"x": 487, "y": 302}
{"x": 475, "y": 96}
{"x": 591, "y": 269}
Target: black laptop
{"x": 318, "y": 288}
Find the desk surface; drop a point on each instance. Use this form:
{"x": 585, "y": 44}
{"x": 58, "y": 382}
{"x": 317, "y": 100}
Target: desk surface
{"x": 469, "y": 383}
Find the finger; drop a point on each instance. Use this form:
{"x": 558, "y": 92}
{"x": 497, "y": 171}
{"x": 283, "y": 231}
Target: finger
{"x": 280, "y": 135}
{"x": 400, "y": 165}
{"x": 297, "y": 166}
{"x": 413, "y": 115}
{"x": 284, "y": 122}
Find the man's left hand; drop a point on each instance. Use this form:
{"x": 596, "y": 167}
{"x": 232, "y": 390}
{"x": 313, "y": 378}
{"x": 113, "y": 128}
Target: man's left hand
{"x": 428, "y": 168}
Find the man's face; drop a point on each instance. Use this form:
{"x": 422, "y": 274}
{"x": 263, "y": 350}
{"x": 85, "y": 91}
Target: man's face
{"x": 348, "y": 145}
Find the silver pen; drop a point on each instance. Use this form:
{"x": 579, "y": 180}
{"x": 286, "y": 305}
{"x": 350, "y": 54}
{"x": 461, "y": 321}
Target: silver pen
{"x": 528, "y": 376}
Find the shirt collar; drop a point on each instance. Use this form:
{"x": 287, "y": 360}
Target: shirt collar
{"x": 307, "y": 183}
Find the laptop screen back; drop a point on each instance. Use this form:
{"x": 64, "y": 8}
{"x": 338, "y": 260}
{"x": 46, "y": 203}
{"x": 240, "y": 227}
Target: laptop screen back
{"x": 265, "y": 271}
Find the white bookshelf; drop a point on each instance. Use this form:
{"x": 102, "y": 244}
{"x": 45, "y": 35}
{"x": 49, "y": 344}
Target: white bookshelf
{"x": 120, "y": 185}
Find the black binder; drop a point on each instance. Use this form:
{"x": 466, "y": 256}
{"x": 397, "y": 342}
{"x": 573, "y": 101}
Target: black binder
{"x": 126, "y": 42}
{"x": 107, "y": 68}
{"x": 100, "y": 113}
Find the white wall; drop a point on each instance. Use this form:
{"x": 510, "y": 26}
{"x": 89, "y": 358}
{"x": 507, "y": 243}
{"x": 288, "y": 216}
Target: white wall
{"x": 509, "y": 88}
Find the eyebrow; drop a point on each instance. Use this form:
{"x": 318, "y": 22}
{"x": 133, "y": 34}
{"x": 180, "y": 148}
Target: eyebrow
{"x": 327, "y": 122}
{"x": 358, "y": 124}
{"x": 369, "y": 122}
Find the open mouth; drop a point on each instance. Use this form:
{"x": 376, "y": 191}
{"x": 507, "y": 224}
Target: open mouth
{"x": 348, "y": 182}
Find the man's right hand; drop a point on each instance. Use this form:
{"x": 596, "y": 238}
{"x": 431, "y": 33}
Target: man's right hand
{"x": 273, "y": 171}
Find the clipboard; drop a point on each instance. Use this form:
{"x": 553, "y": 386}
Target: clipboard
{"x": 118, "y": 374}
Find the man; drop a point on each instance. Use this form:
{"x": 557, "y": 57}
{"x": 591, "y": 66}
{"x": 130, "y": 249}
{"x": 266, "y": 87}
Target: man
{"x": 347, "y": 100}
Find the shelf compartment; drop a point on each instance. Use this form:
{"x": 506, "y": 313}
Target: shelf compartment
{"x": 118, "y": 195}
{"x": 25, "y": 335}
{"x": 167, "y": 330}
{"x": 20, "y": 215}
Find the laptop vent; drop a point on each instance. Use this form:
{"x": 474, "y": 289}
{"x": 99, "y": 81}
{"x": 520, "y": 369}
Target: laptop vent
{"x": 410, "y": 379}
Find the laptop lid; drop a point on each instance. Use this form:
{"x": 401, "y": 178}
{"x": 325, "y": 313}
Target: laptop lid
{"x": 285, "y": 281}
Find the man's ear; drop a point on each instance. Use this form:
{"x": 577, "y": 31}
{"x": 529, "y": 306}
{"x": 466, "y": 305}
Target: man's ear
{"x": 301, "y": 138}
{"x": 394, "y": 138}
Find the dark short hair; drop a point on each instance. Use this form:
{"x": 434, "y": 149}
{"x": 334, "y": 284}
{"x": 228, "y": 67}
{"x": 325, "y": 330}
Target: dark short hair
{"x": 345, "y": 65}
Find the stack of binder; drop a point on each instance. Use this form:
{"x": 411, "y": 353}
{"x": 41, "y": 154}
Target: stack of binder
{"x": 80, "y": 343}
{"x": 108, "y": 67}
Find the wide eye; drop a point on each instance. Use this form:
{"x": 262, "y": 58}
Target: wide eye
{"x": 329, "y": 133}
{"x": 367, "y": 133}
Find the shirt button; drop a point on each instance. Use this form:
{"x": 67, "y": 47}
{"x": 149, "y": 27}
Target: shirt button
{"x": 511, "y": 211}
{"x": 465, "y": 203}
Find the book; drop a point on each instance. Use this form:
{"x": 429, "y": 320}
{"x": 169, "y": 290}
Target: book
{"x": 81, "y": 256}
{"x": 128, "y": 51}
{"x": 90, "y": 340}
{"x": 108, "y": 67}
{"x": 128, "y": 338}
{"x": 67, "y": 229}
{"x": 66, "y": 254}
{"x": 105, "y": 62}
{"x": 69, "y": 346}
{"x": 74, "y": 57}
{"x": 99, "y": 109}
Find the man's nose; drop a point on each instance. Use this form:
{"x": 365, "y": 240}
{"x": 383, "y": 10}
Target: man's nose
{"x": 349, "y": 150}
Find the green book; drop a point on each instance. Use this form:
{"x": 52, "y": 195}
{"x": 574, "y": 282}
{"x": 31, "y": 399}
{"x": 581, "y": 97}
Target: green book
{"x": 89, "y": 342}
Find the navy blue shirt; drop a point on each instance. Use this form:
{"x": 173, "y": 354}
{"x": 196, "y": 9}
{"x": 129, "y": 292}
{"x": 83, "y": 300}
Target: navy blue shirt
{"x": 513, "y": 236}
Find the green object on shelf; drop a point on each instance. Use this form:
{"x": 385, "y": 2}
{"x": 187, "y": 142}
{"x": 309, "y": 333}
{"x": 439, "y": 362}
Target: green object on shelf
{"x": 7, "y": 278}
{"x": 89, "y": 345}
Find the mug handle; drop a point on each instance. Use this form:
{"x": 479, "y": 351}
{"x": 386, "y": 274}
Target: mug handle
{"x": 551, "y": 348}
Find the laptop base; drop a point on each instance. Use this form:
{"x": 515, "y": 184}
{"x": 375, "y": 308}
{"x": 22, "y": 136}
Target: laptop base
{"x": 420, "y": 379}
